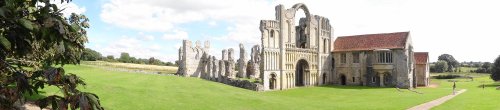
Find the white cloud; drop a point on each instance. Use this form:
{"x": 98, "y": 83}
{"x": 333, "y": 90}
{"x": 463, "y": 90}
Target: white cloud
{"x": 212, "y": 23}
{"x": 69, "y": 8}
{"x": 136, "y": 48}
{"x": 445, "y": 24}
{"x": 146, "y": 37}
{"x": 176, "y": 35}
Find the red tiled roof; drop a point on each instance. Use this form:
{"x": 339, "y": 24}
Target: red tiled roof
{"x": 371, "y": 41}
{"x": 421, "y": 57}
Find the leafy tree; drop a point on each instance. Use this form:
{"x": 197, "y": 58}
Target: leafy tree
{"x": 152, "y": 61}
{"x": 91, "y": 55}
{"x": 125, "y": 58}
{"x": 452, "y": 63}
{"x": 110, "y": 58}
{"x": 132, "y": 60}
{"x": 486, "y": 65}
{"x": 495, "y": 70}
{"x": 484, "y": 68}
{"x": 34, "y": 34}
{"x": 441, "y": 66}
{"x": 170, "y": 64}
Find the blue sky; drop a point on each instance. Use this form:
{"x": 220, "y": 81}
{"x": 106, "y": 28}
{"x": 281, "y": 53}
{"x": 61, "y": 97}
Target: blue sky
{"x": 466, "y": 29}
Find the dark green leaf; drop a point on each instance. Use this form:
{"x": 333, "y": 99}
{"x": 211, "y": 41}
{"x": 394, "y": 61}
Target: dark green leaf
{"x": 26, "y": 23}
{"x": 2, "y": 12}
{"x": 5, "y": 42}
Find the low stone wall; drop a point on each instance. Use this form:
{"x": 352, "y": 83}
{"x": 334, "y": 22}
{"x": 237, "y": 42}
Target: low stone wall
{"x": 239, "y": 83}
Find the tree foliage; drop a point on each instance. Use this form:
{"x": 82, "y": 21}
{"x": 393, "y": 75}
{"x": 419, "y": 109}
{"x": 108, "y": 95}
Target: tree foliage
{"x": 452, "y": 63}
{"x": 34, "y": 34}
{"x": 125, "y": 58}
{"x": 91, "y": 55}
{"x": 440, "y": 66}
{"x": 484, "y": 68}
{"x": 495, "y": 70}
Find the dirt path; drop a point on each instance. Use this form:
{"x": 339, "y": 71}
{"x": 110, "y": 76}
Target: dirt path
{"x": 429, "y": 105}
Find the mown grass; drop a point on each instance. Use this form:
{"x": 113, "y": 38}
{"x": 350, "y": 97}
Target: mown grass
{"x": 476, "y": 98}
{"x": 123, "y": 90}
{"x": 126, "y": 90}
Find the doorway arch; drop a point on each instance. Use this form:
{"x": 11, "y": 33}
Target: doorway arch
{"x": 343, "y": 80}
{"x": 272, "y": 81}
{"x": 324, "y": 78}
{"x": 301, "y": 70}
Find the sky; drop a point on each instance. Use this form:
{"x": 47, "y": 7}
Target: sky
{"x": 466, "y": 29}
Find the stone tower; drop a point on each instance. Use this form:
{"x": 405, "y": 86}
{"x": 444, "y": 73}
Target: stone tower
{"x": 295, "y": 54}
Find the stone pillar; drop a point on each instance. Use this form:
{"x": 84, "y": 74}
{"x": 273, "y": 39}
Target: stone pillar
{"x": 381, "y": 76}
{"x": 209, "y": 67}
{"x": 242, "y": 64}
{"x": 215, "y": 70}
{"x": 224, "y": 54}
{"x": 222, "y": 70}
{"x": 230, "y": 64}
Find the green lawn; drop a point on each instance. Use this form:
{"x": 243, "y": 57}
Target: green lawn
{"x": 476, "y": 98}
{"x": 123, "y": 90}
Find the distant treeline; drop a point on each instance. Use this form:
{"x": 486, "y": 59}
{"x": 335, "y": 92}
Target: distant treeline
{"x": 92, "y": 55}
{"x": 446, "y": 63}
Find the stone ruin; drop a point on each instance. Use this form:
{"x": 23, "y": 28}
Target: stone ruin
{"x": 196, "y": 62}
{"x": 253, "y": 68}
{"x": 242, "y": 72}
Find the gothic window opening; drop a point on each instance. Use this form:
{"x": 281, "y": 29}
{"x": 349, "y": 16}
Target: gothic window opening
{"x": 272, "y": 33}
{"x": 324, "y": 46}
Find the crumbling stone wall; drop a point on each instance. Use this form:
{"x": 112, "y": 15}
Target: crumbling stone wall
{"x": 196, "y": 62}
{"x": 192, "y": 59}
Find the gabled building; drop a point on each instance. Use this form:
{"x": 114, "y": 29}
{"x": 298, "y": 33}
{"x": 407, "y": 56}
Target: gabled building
{"x": 385, "y": 59}
{"x": 422, "y": 68}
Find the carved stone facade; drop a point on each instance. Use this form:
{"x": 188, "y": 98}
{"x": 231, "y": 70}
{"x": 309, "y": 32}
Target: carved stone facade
{"x": 295, "y": 54}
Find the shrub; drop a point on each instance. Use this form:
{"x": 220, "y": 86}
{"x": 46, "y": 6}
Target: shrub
{"x": 448, "y": 76}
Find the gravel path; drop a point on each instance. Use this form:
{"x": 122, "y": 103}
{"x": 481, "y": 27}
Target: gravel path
{"x": 429, "y": 105}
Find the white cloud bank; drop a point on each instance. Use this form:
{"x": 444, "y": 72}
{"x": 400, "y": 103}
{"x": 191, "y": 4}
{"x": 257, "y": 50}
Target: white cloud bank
{"x": 463, "y": 28}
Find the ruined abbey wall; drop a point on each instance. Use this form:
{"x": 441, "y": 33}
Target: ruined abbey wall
{"x": 195, "y": 61}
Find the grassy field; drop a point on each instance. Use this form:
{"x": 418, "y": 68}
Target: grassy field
{"x": 132, "y": 67}
{"x": 126, "y": 90}
{"x": 476, "y": 98}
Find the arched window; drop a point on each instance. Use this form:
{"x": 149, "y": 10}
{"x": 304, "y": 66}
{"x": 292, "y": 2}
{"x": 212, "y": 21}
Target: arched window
{"x": 272, "y": 34}
{"x": 324, "y": 45}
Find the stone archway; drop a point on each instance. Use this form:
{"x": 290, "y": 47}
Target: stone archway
{"x": 301, "y": 70}
{"x": 303, "y": 7}
{"x": 387, "y": 79}
{"x": 324, "y": 78}
{"x": 272, "y": 81}
{"x": 302, "y": 27}
{"x": 343, "y": 80}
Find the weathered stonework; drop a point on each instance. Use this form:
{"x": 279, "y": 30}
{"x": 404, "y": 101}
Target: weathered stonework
{"x": 253, "y": 66}
{"x": 242, "y": 63}
{"x": 192, "y": 59}
{"x": 230, "y": 64}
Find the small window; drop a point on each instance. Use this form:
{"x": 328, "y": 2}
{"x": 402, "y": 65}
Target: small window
{"x": 355, "y": 57}
{"x": 353, "y": 79}
{"x": 343, "y": 58}
{"x": 373, "y": 79}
